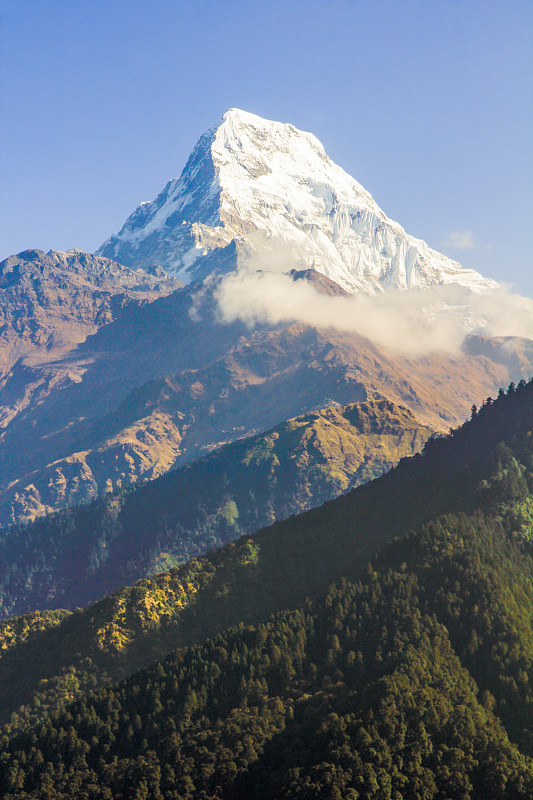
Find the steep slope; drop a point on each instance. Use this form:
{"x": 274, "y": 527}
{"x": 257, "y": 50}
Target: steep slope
{"x": 51, "y": 302}
{"x": 357, "y": 694}
{"x": 414, "y": 681}
{"x": 485, "y": 470}
{"x": 77, "y": 556}
{"x": 259, "y": 194}
{"x": 167, "y": 382}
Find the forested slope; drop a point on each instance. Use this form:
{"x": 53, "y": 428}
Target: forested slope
{"x": 485, "y": 468}
{"x": 413, "y": 682}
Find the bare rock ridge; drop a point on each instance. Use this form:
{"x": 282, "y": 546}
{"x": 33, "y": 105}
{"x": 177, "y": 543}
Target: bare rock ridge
{"x": 258, "y": 194}
{"x": 51, "y": 302}
{"x": 319, "y": 282}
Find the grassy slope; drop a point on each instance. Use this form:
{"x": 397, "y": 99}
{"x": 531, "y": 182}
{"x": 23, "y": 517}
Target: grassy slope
{"x": 76, "y": 556}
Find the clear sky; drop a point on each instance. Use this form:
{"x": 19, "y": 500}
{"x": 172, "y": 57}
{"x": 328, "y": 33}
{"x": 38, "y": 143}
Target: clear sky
{"x": 428, "y": 104}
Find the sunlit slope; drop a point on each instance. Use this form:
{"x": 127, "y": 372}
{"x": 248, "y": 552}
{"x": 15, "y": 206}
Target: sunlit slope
{"x": 78, "y": 555}
{"x": 168, "y": 381}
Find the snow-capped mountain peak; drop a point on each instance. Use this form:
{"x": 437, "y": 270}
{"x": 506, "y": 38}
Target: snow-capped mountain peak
{"x": 259, "y": 194}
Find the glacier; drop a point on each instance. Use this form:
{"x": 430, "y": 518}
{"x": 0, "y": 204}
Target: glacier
{"x": 257, "y": 194}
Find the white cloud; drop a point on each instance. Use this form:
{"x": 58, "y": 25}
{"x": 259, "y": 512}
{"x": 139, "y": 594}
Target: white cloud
{"x": 460, "y": 240}
{"x": 463, "y": 240}
{"x": 413, "y": 322}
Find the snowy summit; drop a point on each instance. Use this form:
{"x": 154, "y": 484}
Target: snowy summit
{"x": 257, "y": 194}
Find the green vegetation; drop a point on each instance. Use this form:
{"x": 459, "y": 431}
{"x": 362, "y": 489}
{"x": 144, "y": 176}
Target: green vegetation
{"x": 15, "y": 631}
{"x": 74, "y": 557}
{"x": 396, "y": 686}
{"x": 484, "y": 465}
{"x": 412, "y": 678}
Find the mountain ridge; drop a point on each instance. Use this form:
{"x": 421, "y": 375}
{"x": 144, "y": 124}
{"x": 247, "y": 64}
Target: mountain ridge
{"x": 375, "y": 690}
{"x": 74, "y": 557}
{"x": 168, "y": 381}
{"x": 142, "y": 389}
{"x": 52, "y": 301}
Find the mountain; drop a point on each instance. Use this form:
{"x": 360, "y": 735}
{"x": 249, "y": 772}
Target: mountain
{"x": 257, "y": 194}
{"x": 52, "y": 302}
{"x": 168, "y": 381}
{"x": 94, "y": 398}
{"x": 409, "y": 677}
{"x": 405, "y": 677}
{"x": 481, "y": 477}
{"x": 74, "y": 557}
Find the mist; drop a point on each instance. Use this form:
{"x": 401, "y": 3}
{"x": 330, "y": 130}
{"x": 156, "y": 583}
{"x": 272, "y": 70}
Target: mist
{"x": 413, "y": 322}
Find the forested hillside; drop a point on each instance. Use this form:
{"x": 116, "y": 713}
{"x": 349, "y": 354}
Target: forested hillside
{"x": 414, "y": 681}
{"x": 75, "y": 556}
{"x": 415, "y": 677}
{"x": 485, "y": 466}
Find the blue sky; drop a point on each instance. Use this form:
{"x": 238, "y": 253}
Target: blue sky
{"x": 428, "y": 104}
